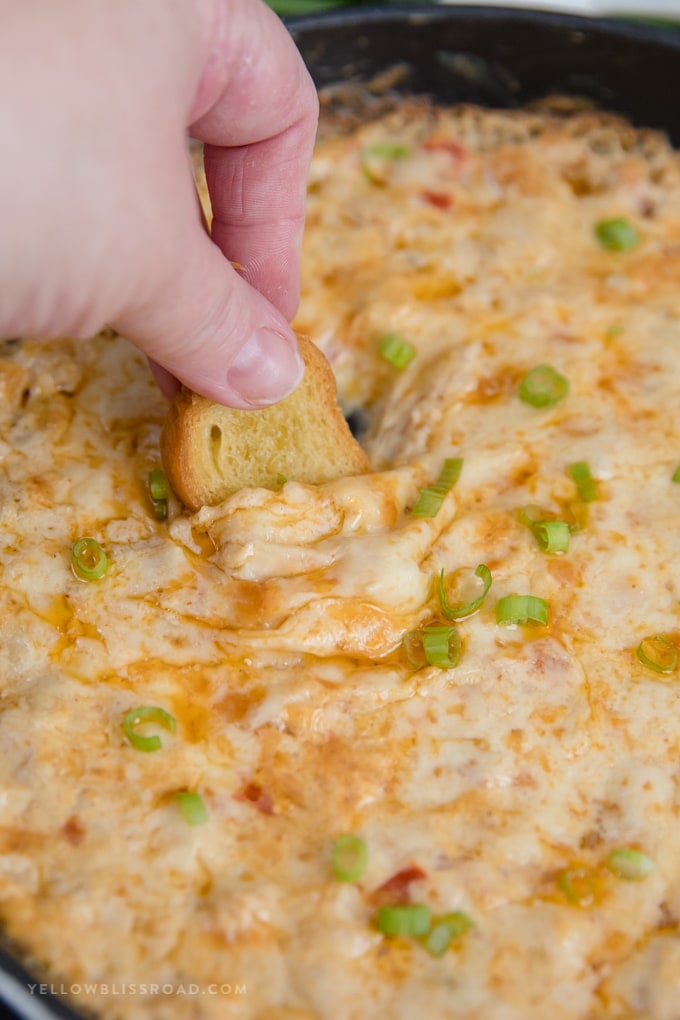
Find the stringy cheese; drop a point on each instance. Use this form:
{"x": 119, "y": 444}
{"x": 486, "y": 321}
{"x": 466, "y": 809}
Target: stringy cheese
{"x": 271, "y": 625}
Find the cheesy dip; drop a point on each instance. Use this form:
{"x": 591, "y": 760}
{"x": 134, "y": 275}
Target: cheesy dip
{"x": 309, "y": 754}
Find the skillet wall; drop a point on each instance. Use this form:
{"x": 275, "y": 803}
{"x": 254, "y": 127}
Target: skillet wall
{"x": 501, "y": 58}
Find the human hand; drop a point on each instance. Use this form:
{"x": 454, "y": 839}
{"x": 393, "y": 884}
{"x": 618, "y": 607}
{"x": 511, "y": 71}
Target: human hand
{"x": 99, "y": 210}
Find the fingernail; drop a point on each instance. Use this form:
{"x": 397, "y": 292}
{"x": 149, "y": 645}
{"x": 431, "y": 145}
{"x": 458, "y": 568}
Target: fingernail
{"x": 266, "y": 369}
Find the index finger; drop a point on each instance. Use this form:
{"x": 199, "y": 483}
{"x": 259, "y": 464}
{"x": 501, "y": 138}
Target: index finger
{"x": 256, "y": 109}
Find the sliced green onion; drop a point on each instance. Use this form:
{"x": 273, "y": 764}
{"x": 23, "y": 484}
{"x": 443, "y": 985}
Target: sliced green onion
{"x": 88, "y": 559}
{"x": 159, "y": 490}
{"x": 158, "y": 485}
{"x": 442, "y": 646}
{"x": 579, "y": 516}
{"x": 396, "y": 350}
{"x": 586, "y": 486}
{"x": 675, "y": 477}
{"x": 531, "y": 513}
{"x": 543, "y": 386}
{"x": 658, "y": 653}
{"x": 429, "y": 503}
{"x": 372, "y": 156}
{"x": 433, "y": 646}
{"x": 631, "y": 865}
{"x": 552, "y": 536}
{"x": 406, "y": 920}
{"x": 281, "y": 480}
{"x": 438, "y": 940}
{"x": 432, "y": 496}
{"x": 579, "y": 884}
{"x": 521, "y": 609}
{"x": 387, "y": 150}
{"x": 192, "y": 806}
{"x": 349, "y": 858}
{"x": 446, "y": 930}
{"x": 617, "y": 234}
{"x": 412, "y": 642}
{"x": 147, "y": 714}
{"x": 468, "y": 608}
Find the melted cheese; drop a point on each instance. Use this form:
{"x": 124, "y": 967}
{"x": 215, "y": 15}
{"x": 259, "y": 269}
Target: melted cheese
{"x": 271, "y": 625}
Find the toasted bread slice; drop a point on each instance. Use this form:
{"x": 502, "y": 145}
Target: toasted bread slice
{"x": 210, "y": 451}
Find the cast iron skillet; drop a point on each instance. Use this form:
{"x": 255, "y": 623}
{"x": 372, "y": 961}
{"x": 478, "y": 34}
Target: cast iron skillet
{"x": 501, "y": 58}
{"x": 491, "y": 56}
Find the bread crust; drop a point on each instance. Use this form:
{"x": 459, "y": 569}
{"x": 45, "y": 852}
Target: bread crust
{"x": 210, "y": 451}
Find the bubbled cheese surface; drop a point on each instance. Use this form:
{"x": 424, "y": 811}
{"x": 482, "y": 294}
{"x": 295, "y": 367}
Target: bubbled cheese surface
{"x": 271, "y": 625}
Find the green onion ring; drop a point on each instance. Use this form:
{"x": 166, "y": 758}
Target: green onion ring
{"x": 579, "y": 515}
{"x": 446, "y": 930}
{"x": 543, "y": 386}
{"x": 412, "y": 643}
{"x": 586, "y": 486}
{"x": 387, "y": 150}
{"x": 88, "y": 560}
{"x": 429, "y": 504}
{"x": 579, "y": 885}
{"x": 631, "y": 865}
{"x": 675, "y": 477}
{"x": 159, "y": 490}
{"x": 658, "y": 653}
{"x": 397, "y": 351}
{"x": 158, "y": 485}
{"x": 521, "y": 609}
{"x": 617, "y": 234}
{"x": 435, "y": 645}
{"x": 432, "y": 496}
{"x": 442, "y": 646}
{"x": 552, "y": 536}
{"x": 349, "y": 857}
{"x": 468, "y": 608}
{"x": 405, "y": 920}
{"x": 531, "y": 513}
{"x": 192, "y": 806}
{"x": 381, "y": 151}
{"x": 147, "y": 714}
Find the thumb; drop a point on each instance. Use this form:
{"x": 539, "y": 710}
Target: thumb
{"x": 207, "y": 327}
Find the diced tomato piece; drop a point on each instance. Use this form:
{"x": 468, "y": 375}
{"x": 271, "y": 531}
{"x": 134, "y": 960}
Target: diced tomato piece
{"x": 437, "y": 198}
{"x": 397, "y": 889}
{"x": 259, "y": 798}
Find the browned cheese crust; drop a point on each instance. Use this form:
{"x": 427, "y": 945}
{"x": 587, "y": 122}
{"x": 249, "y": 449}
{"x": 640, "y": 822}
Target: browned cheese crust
{"x": 533, "y": 787}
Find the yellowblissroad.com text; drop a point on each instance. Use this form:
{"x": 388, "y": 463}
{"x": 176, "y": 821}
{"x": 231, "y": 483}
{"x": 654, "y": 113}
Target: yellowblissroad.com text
{"x": 136, "y": 988}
